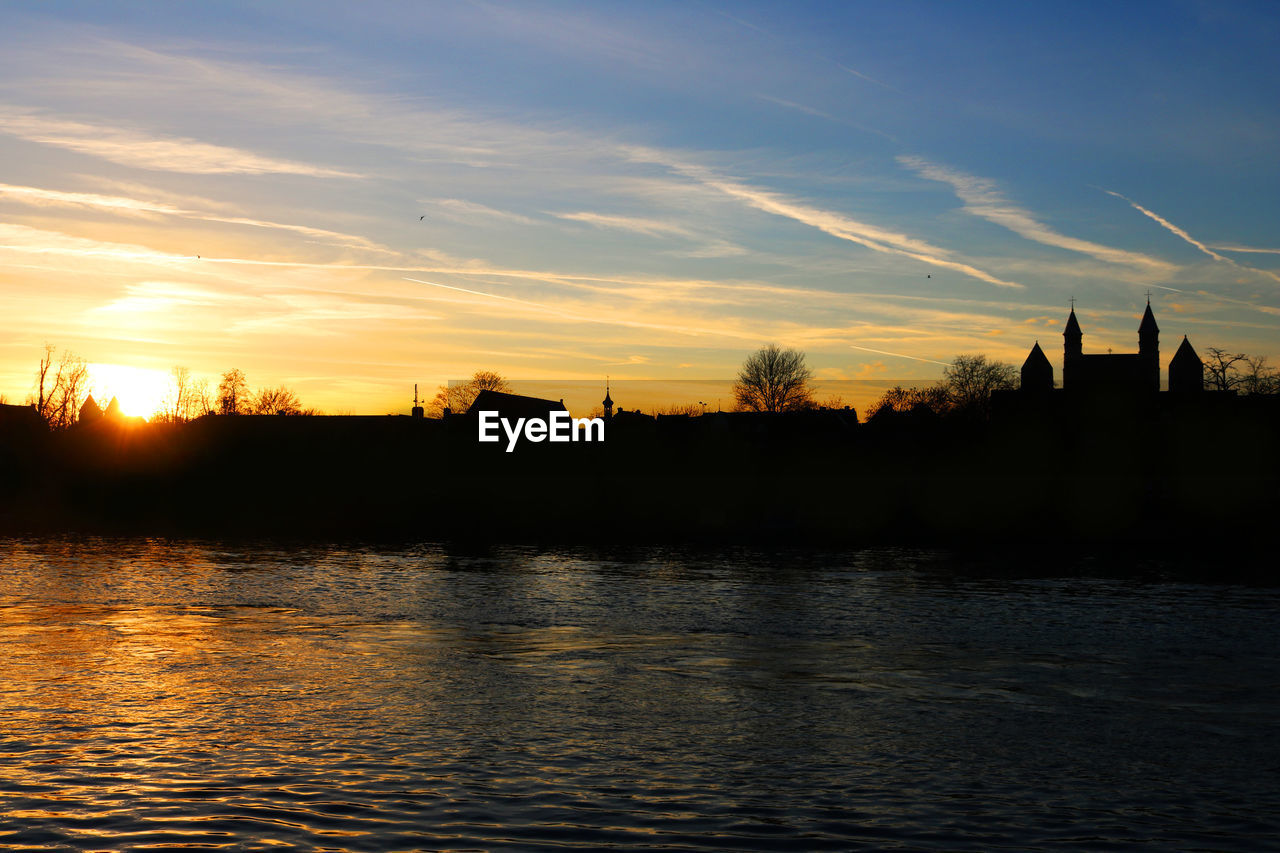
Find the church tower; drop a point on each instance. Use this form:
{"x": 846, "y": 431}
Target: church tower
{"x": 608, "y": 403}
{"x": 1186, "y": 370}
{"x": 1149, "y": 349}
{"x": 1037, "y": 372}
{"x": 1072, "y": 348}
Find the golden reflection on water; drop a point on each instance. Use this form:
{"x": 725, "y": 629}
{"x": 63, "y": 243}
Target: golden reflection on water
{"x": 198, "y": 695}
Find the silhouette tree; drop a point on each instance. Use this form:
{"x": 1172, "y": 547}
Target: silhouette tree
{"x": 971, "y": 379}
{"x": 1259, "y": 377}
{"x": 773, "y": 379}
{"x": 201, "y": 398}
{"x": 458, "y": 398}
{"x": 1235, "y": 371}
{"x": 233, "y": 393}
{"x": 183, "y": 399}
{"x": 689, "y": 409}
{"x": 60, "y": 388}
{"x": 276, "y": 401}
{"x": 899, "y": 399}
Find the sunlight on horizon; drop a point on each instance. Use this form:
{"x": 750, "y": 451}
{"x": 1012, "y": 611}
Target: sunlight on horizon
{"x": 140, "y": 390}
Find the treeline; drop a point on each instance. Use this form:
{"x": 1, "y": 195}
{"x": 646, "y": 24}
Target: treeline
{"x": 63, "y": 383}
{"x": 806, "y": 477}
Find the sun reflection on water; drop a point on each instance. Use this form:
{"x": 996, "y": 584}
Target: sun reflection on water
{"x": 196, "y": 694}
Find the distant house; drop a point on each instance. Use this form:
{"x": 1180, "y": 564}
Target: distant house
{"x": 512, "y": 406}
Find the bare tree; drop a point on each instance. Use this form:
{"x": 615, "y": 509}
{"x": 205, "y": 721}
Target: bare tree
{"x": 970, "y": 381}
{"x": 60, "y": 388}
{"x": 1235, "y": 371}
{"x": 1221, "y": 372}
{"x": 176, "y": 403}
{"x": 1259, "y": 377}
{"x": 898, "y": 399}
{"x": 773, "y": 379}
{"x": 201, "y": 397}
{"x": 233, "y": 393}
{"x": 457, "y": 398}
{"x": 276, "y": 401}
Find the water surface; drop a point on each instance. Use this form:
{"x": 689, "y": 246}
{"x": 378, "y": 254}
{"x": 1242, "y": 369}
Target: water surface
{"x": 195, "y": 695}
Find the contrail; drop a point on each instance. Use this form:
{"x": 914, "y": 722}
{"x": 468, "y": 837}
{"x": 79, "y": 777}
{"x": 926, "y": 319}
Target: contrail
{"x": 1248, "y": 249}
{"x": 898, "y": 355}
{"x": 1173, "y": 228}
{"x": 1266, "y": 309}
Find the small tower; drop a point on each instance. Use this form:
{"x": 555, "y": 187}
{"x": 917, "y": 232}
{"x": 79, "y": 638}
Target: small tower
{"x": 1072, "y": 347}
{"x": 1186, "y": 370}
{"x": 1149, "y": 349}
{"x": 90, "y": 410}
{"x": 608, "y": 403}
{"x": 417, "y": 409}
{"x": 1037, "y": 372}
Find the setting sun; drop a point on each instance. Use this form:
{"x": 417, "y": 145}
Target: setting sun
{"x": 139, "y": 390}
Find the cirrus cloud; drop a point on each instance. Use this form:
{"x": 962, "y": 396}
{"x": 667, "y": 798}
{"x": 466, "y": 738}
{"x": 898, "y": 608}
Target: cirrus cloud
{"x": 146, "y": 151}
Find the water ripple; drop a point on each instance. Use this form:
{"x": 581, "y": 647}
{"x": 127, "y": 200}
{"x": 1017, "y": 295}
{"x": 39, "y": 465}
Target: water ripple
{"x": 162, "y": 695}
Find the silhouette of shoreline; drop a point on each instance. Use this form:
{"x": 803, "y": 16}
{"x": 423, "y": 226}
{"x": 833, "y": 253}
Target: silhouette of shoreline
{"x": 1044, "y": 469}
{"x": 1108, "y": 459}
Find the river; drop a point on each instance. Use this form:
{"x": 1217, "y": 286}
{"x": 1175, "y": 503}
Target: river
{"x": 180, "y": 694}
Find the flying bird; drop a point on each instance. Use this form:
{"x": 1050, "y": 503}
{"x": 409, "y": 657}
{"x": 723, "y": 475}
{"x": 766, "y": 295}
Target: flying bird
{"x": 422, "y": 217}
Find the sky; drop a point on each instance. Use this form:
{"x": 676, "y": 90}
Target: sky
{"x": 348, "y": 199}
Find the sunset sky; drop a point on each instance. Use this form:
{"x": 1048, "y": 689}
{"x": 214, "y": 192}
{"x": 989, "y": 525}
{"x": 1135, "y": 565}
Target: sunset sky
{"x": 351, "y": 198}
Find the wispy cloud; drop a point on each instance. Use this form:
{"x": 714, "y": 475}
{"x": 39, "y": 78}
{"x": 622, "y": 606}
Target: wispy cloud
{"x": 141, "y": 207}
{"x": 55, "y": 198}
{"x": 583, "y": 317}
{"x": 147, "y": 151}
{"x": 835, "y": 224}
{"x": 470, "y": 211}
{"x": 792, "y": 105}
{"x": 634, "y": 224}
{"x": 868, "y": 78}
{"x": 813, "y": 111}
{"x": 982, "y": 198}
{"x": 37, "y": 241}
{"x": 152, "y": 296}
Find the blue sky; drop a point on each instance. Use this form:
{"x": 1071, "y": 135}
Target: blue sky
{"x": 647, "y": 191}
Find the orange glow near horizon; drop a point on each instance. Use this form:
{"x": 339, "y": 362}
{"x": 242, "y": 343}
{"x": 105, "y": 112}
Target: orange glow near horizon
{"x": 139, "y": 390}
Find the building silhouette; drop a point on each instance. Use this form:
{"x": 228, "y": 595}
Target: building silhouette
{"x": 1186, "y": 370}
{"x": 1129, "y": 374}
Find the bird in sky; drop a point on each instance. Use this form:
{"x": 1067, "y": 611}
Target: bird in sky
{"x": 422, "y": 217}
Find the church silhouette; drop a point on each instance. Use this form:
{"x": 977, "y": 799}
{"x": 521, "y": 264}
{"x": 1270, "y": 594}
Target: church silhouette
{"x": 1114, "y": 374}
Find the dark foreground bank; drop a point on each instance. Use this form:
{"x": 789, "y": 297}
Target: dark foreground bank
{"x": 816, "y": 478}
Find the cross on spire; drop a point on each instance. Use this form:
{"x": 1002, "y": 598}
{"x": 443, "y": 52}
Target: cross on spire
{"x": 1073, "y": 303}
{"x": 1148, "y": 296}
